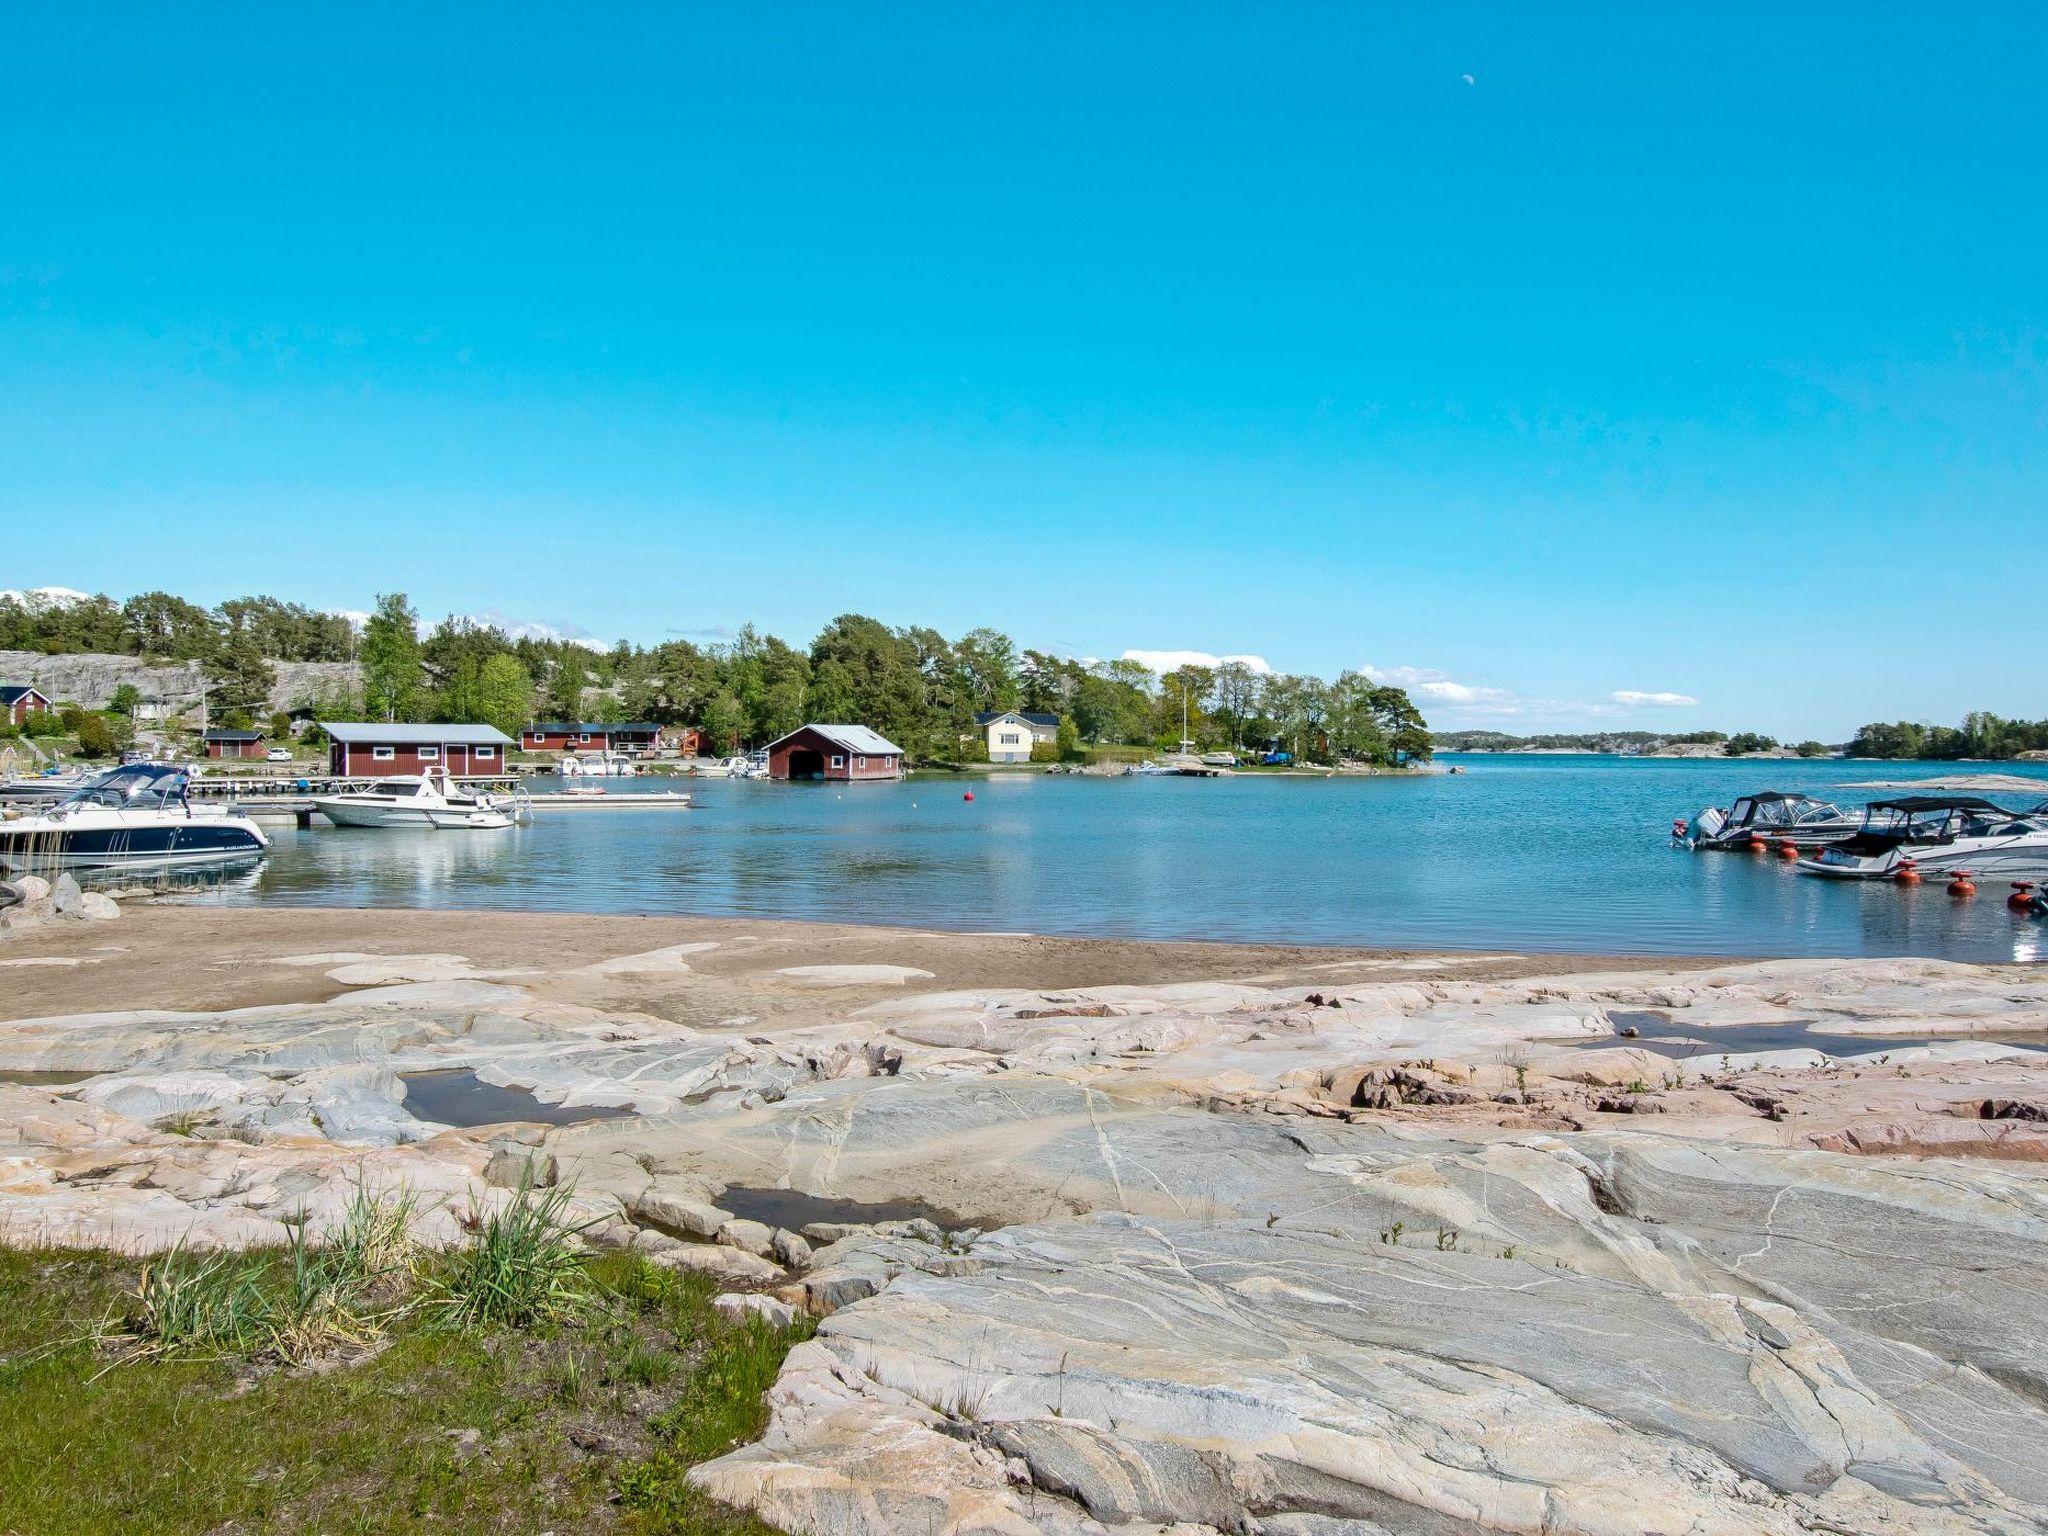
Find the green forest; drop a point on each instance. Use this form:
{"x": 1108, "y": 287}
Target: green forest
{"x": 912, "y": 684}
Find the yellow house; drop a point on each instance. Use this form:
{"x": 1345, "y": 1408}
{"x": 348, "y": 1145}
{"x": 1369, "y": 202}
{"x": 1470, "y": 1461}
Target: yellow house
{"x": 1012, "y": 733}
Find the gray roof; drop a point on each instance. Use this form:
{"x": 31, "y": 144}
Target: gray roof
{"x": 854, "y": 738}
{"x": 376, "y": 733}
{"x": 595, "y": 727}
{"x": 1030, "y": 717}
{"x": 231, "y": 736}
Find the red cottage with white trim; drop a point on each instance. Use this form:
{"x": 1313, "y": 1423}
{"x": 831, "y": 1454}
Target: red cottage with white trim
{"x": 233, "y": 743}
{"x": 19, "y": 701}
{"x": 371, "y": 749}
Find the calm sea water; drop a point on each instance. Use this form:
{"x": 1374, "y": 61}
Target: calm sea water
{"x": 1527, "y": 853}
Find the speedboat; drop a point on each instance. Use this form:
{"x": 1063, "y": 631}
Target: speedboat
{"x": 1937, "y": 834}
{"x": 405, "y": 801}
{"x": 1771, "y": 814}
{"x": 1147, "y": 769}
{"x": 136, "y": 814}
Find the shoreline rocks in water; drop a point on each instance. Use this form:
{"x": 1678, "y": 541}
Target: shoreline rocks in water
{"x": 1274, "y": 1255}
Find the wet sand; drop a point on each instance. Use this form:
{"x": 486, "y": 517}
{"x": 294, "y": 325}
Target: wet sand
{"x": 212, "y": 958}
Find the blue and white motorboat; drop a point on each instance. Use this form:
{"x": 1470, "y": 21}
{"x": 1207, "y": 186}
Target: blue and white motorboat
{"x": 135, "y": 814}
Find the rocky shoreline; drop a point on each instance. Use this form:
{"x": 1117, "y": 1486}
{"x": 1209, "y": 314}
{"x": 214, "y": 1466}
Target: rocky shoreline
{"x": 1304, "y": 1246}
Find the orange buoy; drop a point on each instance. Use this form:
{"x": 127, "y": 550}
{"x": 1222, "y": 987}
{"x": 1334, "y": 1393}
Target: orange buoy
{"x": 1960, "y": 884}
{"x": 2022, "y": 896}
{"x": 1908, "y": 872}
{"x": 1757, "y": 845}
{"x": 1788, "y": 849}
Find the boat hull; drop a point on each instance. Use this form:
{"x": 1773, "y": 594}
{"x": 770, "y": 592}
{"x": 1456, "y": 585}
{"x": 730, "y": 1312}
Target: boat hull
{"x": 1988, "y": 857}
{"x": 26, "y": 849}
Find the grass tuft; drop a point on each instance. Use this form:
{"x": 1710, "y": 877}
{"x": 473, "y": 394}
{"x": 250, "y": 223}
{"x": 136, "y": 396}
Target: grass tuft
{"x": 525, "y": 1266}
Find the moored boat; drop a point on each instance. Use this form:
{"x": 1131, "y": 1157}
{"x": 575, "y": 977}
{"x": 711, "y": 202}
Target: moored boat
{"x": 1937, "y": 834}
{"x": 137, "y": 814}
{"x": 405, "y": 801}
{"x": 1771, "y": 814}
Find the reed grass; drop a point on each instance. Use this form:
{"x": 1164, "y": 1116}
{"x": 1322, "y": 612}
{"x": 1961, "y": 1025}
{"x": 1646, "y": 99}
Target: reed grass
{"x": 525, "y": 1266}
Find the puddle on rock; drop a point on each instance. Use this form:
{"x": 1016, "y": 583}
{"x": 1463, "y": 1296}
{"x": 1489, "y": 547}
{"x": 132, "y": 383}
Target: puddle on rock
{"x": 48, "y": 1079}
{"x": 795, "y": 1210}
{"x": 457, "y": 1096}
{"x": 1665, "y": 1036}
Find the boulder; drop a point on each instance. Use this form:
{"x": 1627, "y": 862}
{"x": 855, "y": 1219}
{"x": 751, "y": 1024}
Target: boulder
{"x": 729, "y": 1266}
{"x": 32, "y": 887}
{"x": 67, "y": 895}
{"x": 508, "y": 1165}
{"x": 790, "y": 1250}
{"x": 748, "y": 1236}
{"x": 679, "y": 1213}
{"x": 99, "y": 908}
{"x": 738, "y": 1306}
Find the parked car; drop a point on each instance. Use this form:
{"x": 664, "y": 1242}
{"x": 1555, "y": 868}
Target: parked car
{"x": 278, "y": 755}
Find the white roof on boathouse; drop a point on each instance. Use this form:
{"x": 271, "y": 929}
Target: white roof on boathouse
{"x": 854, "y": 738}
{"x": 378, "y": 733}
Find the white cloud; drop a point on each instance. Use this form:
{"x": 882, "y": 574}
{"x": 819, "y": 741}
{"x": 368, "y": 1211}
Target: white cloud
{"x": 1430, "y": 683}
{"x": 1629, "y": 698}
{"x": 534, "y": 629}
{"x": 1170, "y": 661}
{"x": 491, "y": 618}
{"x": 42, "y": 599}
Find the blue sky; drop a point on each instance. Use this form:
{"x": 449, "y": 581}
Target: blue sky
{"x": 1534, "y": 355}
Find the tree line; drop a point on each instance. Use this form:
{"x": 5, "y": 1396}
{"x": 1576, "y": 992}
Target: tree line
{"x": 912, "y": 684}
{"x": 1981, "y": 735}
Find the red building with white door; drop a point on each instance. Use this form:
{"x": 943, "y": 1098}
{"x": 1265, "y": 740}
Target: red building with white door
{"x": 374, "y": 749}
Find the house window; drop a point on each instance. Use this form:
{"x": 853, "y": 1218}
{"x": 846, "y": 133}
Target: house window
{"x": 430, "y": 754}
{"x": 486, "y": 751}
{"x": 838, "y": 761}
{"x": 383, "y": 754}
{"x": 584, "y": 737}
{"x": 860, "y": 762}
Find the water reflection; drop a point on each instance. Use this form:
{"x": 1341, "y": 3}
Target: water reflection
{"x": 1535, "y": 853}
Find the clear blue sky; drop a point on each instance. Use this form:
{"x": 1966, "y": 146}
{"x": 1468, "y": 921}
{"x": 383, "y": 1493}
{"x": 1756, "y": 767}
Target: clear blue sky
{"x": 1697, "y": 352}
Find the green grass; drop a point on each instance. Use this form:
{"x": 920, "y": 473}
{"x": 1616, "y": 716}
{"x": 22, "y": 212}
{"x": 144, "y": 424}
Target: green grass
{"x": 586, "y": 1424}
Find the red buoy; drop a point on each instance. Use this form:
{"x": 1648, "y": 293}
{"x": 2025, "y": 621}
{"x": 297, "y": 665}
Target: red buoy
{"x": 2022, "y": 896}
{"x": 1788, "y": 849}
{"x": 1960, "y": 884}
{"x": 1757, "y": 845}
{"x": 968, "y": 796}
{"x": 1908, "y": 872}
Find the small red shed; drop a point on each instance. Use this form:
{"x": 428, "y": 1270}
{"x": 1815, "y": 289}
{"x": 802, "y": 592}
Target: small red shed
{"x": 233, "y": 743}
{"x": 372, "y": 749}
{"x": 837, "y": 754}
{"x": 20, "y": 700}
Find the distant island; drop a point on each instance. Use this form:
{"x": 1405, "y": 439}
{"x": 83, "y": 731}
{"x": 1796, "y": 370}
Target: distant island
{"x": 1982, "y": 737}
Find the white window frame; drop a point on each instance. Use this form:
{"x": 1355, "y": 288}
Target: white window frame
{"x": 838, "y": 760}
{"x": 428, "y": 754}
{"x": 860, "y": 762}
{"x": 584, "y": 737}
{"x": 383, "y": 754}
{"x": 486, "y": 751}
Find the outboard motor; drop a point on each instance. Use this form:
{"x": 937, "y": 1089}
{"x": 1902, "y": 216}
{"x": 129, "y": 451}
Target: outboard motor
{"x": 1706, "y": 824}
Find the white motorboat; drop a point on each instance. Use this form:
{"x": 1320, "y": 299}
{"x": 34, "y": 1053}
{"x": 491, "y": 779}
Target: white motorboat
{"x": 137, "y": 814}
{"x": 718, "y": 770}
{"x": 406, "y": 801}
{"x": 1937, "y": 835}
{"x": 599, "y": 765}
{"x": 483, "y": 820}
{"x": 1771, "y": 814}
{"x": 1147, "y": 769}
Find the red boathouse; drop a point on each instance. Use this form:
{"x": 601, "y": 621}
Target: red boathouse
{"x": 233, "y": 743}
{"x": 837, "y": 754}
{"x": 371, "y": 749}
{"x": 635, "y": 736}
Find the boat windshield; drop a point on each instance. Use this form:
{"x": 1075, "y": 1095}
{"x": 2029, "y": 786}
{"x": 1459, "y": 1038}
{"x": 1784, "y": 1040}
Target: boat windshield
{"x": 135, "y": 787}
